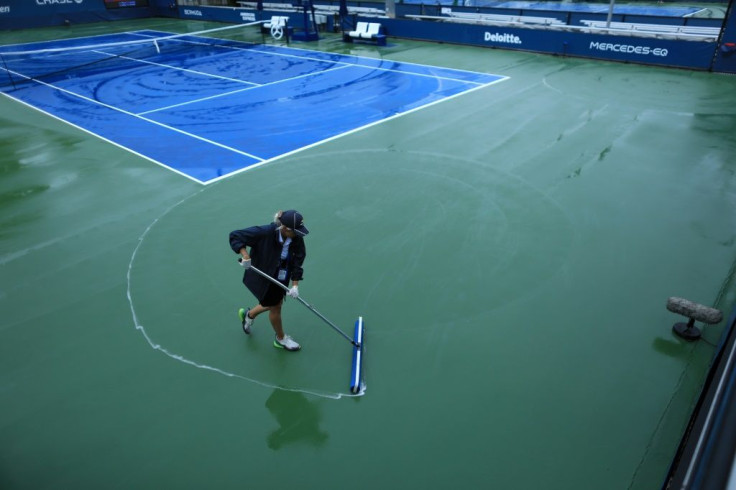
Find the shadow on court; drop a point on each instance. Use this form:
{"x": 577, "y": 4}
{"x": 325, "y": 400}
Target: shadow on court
{"x": 298, "y": 418}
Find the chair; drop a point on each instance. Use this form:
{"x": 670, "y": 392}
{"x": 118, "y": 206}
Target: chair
{"x": 360, "y": 29}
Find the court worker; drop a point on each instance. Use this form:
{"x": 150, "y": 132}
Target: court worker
{"x": 278, "y": 250}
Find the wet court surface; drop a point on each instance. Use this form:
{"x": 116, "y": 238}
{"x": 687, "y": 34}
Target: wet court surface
{"x": 511, "y": 251}
{"x": 209, "y": 107}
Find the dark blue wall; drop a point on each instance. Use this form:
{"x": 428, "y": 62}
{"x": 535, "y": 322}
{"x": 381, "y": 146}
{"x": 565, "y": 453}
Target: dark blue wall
{"x": 683, "y": 54}
{"x": 650, "y": 51}
{"x": 571, "y": 18}
{"x": 239, "y": 15}
{"x": 225, "y": 14}
{"x": 726, "y": 55}
{"x": 21, "y": 14}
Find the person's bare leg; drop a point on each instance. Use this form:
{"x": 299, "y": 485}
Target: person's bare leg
{"x": 257, "y": 310}
{"x": 274, "y": 316}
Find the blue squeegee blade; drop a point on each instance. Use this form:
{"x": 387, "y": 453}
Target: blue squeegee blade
{"x": 356, "y": 374}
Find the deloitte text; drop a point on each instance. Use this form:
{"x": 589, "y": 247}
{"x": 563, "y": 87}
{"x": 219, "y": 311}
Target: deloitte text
{"x": 629, "y": 49}
{"x": 501, "y": 38}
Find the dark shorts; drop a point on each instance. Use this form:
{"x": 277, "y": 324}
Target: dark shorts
{"x": 273, "y": 297}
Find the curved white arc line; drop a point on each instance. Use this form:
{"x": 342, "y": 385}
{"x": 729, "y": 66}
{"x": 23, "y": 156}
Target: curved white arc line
{"x": 180, "y": 358}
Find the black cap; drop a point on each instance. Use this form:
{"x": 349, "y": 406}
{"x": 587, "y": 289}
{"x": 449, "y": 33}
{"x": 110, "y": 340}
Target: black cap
{"x": 294, "y": 220}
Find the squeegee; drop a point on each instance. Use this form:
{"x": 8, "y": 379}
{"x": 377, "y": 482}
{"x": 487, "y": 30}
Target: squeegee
{"x": 356, "y": 373}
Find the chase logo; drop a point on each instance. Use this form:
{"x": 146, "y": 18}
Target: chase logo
{"x": 57, "y": 2}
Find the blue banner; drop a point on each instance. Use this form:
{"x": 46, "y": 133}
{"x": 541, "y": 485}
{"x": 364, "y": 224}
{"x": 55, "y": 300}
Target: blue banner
{"x": 42, "y": 8}
{"x": 222, "y": 14}
{"x": 21, "y": 14}
{"x": 569, "y": 42}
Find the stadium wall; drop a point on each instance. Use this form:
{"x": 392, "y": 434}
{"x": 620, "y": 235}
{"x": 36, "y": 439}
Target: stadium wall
{"x": 645, "y": 50}
{"x": 569, "y": 17}
{"x": 655, "y": 50}
{"x": 22, "y": 14}
{"x": 697, "y": 55}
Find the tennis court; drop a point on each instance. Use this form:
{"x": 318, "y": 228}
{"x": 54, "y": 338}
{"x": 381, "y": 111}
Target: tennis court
{"x": 181, "y": 102}
{"x": 510, "y": 246}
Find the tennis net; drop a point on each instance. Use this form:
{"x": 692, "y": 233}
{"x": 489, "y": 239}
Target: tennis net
{"x": 71, "y": 58}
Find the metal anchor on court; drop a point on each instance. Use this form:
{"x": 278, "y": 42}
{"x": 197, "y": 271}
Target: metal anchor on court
{"x": 694, "y": 312}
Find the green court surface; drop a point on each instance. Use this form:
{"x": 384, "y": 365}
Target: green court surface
{"x": 511, "y": 251}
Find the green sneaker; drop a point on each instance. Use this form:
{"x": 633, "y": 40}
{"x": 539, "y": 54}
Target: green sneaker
{"x": 286, "y": 343}
{"x": 245, "y": 319}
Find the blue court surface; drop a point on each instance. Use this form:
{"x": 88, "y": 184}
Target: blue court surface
{"x": 211, "y": 110}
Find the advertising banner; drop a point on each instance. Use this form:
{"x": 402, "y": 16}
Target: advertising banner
{"x": 20, "y": 14}
{"x": 570, "y": 42}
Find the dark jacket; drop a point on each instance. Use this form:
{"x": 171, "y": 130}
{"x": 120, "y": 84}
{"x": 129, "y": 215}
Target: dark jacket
{"x": 265, "y": 254}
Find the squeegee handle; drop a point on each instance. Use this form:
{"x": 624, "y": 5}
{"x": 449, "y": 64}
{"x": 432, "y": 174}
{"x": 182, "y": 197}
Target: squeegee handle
{"x": 328, "y": 322}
